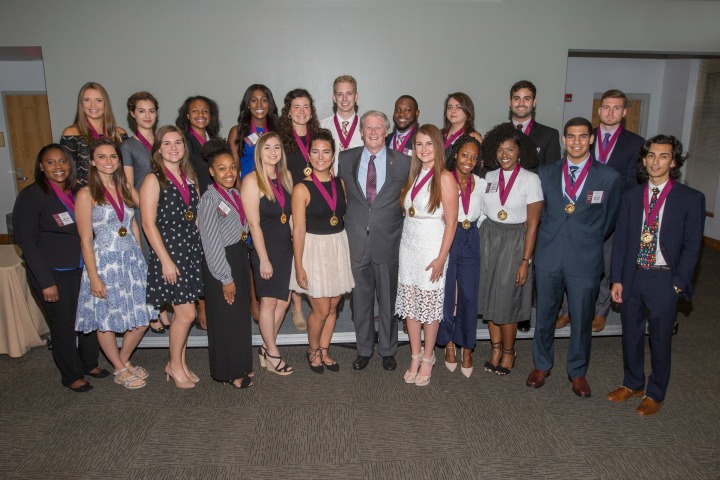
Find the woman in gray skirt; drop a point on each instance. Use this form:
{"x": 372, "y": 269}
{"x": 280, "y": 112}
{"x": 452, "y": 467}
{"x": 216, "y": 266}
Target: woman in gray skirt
{"x": 512, "y": 203}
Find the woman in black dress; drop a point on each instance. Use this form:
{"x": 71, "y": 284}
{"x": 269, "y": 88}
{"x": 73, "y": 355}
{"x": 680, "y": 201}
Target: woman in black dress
{"x": 226, "y": 270}
{"x": 45, "y": 230}
{"x": 168, "y": 202}
{"x": 266, "y": 197}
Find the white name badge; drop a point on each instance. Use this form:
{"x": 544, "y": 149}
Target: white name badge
{"x": 63, "y": 219}
{"x": 223, "y": 209}
{"x": 491, "y": 188}
{"x": 595, "y": 196}
{"x": 251, "y": 139}
{"x": 407, "y": 151}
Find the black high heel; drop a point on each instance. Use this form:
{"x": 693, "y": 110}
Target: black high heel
{"x": 285, "y": 370}
{"x": 489, "y": 367}
{"x": 500, "y": 370}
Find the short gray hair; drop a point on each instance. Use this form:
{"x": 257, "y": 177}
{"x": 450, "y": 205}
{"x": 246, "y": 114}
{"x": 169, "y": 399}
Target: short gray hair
{"x": 375, "y": 113}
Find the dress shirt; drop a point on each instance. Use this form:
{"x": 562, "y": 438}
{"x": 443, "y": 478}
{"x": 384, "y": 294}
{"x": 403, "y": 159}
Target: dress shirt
{"x": 659, "y": 259}
{"x": 580, "y": 166}
{"x": 602, "y": 133}
{"x": 380, "y": 169}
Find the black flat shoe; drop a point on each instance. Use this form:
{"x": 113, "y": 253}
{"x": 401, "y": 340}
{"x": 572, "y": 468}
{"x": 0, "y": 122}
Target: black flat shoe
{"x": 160, "y": 329}
{"x": 101, "y": 373}
{"x": 311, "y": 357}
{"x": 361, "y": 362}
{"x": 333, "y": 367}
{"x": 85, "y": 387}
{"x": 389, "y": 363}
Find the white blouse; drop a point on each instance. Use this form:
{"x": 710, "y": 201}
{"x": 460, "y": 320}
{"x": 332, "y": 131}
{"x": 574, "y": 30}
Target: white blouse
{"x": 476, "y": 201}
{"x": 525, "y": 190}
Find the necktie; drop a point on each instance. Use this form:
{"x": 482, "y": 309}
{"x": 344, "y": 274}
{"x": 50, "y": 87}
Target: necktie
{"x": 519, "y": 126}
{"x": 646, "y": 256}
{"x": 371, "y": 183}
{"x": 345, "y": 128}
{"x": 573, "y": 171}
{"x": 606, "y": 141}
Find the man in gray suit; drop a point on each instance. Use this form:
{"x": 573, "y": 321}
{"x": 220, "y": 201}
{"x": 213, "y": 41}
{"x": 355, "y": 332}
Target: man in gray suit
{"x": 373, "y": 177}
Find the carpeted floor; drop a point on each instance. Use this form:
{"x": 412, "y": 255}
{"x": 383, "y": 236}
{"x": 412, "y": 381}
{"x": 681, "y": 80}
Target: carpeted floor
{"x": 369, "y": 424}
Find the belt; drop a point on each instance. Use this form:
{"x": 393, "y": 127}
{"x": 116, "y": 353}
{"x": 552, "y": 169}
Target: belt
{"x": 662, "y": 268}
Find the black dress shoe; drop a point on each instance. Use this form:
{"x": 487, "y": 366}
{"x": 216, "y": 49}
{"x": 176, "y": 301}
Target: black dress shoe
{"x": 85, "y": 387}
{"x": 389, "y": 363}
{"x": 361, "y": 362}
{"x": 101, "y": 373}
{"x": 524, "y": 326}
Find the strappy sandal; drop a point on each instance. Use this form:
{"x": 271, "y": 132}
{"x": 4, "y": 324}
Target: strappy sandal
{"x": 411, "y": 376}
{"x": 137, "y": 370}
{"x": 131, "y": 383}
{"x": 285, "y": 370}
{"x": 333, "y": 367}
{"x": 500, "y": 370}
{"x": 261, "y": 355}
{"x": 245, "y": 382}
{"x": 489, "y": 367}
{"x": 314, "y": 355}
{"x": 158, "y": 330}
{"x": 423, "y": 380}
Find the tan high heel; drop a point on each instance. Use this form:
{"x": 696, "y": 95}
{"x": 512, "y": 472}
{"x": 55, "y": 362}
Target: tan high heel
{"x": 169, "y": 373}
{"x": 448, "y": 365}
{"x": 467, "y": 371}
{"x": 423, "y": 380}
{"x": 411, "y": 376}
{"x": 261, "y": 356}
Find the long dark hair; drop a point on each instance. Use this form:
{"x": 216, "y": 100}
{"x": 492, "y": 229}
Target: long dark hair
{"x": 285, "y": 125}
{"x": 95, "y": 184}
{"x": 39, "y": 174}
{"x": 156, "y": 160}
{"x": 245, "y": 115}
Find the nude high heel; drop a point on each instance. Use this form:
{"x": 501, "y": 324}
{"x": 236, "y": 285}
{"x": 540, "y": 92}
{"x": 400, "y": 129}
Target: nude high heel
{"x": 467, "y": 371}
{"x": 448, "y": 365}
{"x": 411, "y": 376}
{"x": 423, "y": 380}
{"x": 178, "y": 383}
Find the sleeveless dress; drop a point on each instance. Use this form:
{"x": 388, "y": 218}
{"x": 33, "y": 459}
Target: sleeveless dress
{"x": 278, "y": 245}
{"x": 326, "y": 255}
{"x": 182, "y": 242}
{"x": 121, "y": 266}
{"x": 417, "y": 296}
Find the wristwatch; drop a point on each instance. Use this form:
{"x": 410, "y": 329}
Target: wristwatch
{"x": 529, "y": 260}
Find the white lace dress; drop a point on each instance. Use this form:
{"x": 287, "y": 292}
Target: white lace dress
{"x": 417, "y": 296}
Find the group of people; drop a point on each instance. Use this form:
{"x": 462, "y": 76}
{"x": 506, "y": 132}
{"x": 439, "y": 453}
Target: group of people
{"x": 439, "y": 226}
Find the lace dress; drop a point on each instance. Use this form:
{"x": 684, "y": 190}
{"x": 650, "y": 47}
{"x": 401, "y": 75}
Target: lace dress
{"x": 121, "y": 266}
{"x": 417, "y": 296}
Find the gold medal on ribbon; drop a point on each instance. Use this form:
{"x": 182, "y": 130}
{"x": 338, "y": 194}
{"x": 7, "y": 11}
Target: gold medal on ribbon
{"x": 334, "y": 220}
{"x": 646, "y": 237}
{"x": 122, "y": 231}
{"x": 466, "y": 224}
{"x": 307, "y": 171}
{"x": 283, "y": 219}
{"x": 502, "y": 215}
{"x": 411, "y": 211}
{"x": 570, "y": 208}
{"x": 189, "y": 216}
{"x": 244, "y": 235}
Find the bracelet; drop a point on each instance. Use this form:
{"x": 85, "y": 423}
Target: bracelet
{"x": 528, "y": 260}
{"x": 677, "y": 290}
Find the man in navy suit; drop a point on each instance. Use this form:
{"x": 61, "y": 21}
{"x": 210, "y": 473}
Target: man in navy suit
{"x": 620, "y": 149}
{"x": 522, "y": 105}
{"x": 657, "y": 245}
{"x": 582, "y": 199}
{"x": 405, "y": 119}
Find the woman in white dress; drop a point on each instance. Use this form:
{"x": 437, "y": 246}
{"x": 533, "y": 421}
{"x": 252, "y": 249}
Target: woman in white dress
{"x": 428, "y": 197}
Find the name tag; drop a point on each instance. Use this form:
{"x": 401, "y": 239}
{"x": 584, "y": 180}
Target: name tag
{"x": 407, "y": 151}
{"x": 595, "y": 196}
{"x": 223, "y": 209}
{"x": 491, "y": 188}
{"x": 63, "y": 219}
{"x": 251, "y": 139}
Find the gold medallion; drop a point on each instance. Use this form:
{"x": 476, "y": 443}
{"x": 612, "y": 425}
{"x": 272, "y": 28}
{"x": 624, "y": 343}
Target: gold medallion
{"x": 502, "y": 215}
{"x": 122, "y": 231}
{"x": 411, "y": 211}
{"x": 283, "y": 219}
{"x": 189, "y": 216}
{"x": 334, "y": 220}
{"x": 646, "y": 237}
{"x": 570, "y": 208}
{"x": 244, "y": 235}
{"x": 466, "y": 224}
{"x": 307, "y": 171}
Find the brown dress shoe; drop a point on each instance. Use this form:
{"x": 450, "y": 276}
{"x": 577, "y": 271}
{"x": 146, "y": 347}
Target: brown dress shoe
{"x": 648, "y": 407}
{"x": 562, "y": 321}
{"x": 623, "y": 393}
{"x": 536, "y": 379}
{"x": 598, "y": 323}
{"x": 580, "y": 386}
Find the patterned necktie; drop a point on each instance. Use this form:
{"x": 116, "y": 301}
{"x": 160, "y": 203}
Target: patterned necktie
{"x": 606, "y": 141}
{"x": 371, "y": 183}
{"x": 573, "y": 171}
{"x": 345, "y": 128}
{"x": 646, "y": 256}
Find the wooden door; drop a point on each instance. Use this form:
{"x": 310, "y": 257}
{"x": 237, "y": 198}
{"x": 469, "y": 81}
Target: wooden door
{"x": 631, "y": 121}
{"x": 28, "y": 123}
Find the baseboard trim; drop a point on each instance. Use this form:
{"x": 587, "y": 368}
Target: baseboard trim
{"x": 5, "y": 239}
{"x": 711, "y": 243}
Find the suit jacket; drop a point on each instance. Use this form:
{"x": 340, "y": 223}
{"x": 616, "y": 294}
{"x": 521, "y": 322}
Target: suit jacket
{"x": 681, "y": 236}
{"x": 624, "y": 157}
{"x": 198, "y": 162}
{"x": 408, "y": 145}
{"x": 547, "y": 140}
{"x": 45, "y": 245}
{"x": 383, "y": 220}
{"x": 574, "y": 242}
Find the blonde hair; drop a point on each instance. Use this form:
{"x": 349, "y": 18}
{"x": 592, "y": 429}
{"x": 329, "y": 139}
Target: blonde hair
{"x": 261, "y": 173}
{"x": 109, "y": 123}
{"x": 156, "y": 160}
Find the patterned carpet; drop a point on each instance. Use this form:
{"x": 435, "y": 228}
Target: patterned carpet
{"x": 369, "y": 424}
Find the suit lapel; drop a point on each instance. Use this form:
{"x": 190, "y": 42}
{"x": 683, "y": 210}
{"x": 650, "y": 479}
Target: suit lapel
{"x": 356, "y": 176}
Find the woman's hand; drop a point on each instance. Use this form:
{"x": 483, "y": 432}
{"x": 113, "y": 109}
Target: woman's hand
{"x": 301, "y": 277}
{"x": 51, "y": 294}
{"x": 522, "y": 273}
{"x": 266, "y": 270}
{"x": 229, "y": 293}
{"x": 97, "y": 288}
{"x": 170, "y": 272}
{"x": 437, "y": 266}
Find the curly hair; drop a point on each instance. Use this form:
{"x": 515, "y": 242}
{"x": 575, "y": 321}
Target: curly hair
{"x": 677, "y": 155}
{"x": 501, "y": 133}
{"x": 451, "y": 162}
{"x": 183, "y": 123}
{"x": 285, "y": 124}
{"x": 213, "y": 148}
{"x": 243, "y": 126}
